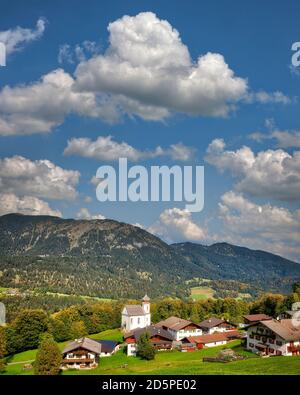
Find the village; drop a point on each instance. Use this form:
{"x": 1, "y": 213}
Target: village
{"x": 261, "y": 334}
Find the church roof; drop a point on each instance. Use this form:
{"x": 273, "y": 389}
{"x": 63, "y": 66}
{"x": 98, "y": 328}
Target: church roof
{"x": 134, "y": 309}
{"x": 146, "y": 298}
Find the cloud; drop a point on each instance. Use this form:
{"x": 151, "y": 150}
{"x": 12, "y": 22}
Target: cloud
{"x": 106, "y": 149}
{"x": 270, "y": 173}
{"x": 40, "y": 178}
{"x": 266, "y": 227}
{"x": 284, "y": 138}
{"x": 176, "y": 225}
{"x": 10, "y": 203}
{"x": 263, "y": 97}
{"x": 146, "y": 71}
{"x": 147, "y": 63}
{"x": 15, "y": 39}
{"x": 84, "y": 213}
{"x": 39, "y": 107}
{"x": 78, "y": 53}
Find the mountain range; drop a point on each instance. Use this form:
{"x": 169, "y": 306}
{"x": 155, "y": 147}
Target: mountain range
{"x": 111, "y": 259}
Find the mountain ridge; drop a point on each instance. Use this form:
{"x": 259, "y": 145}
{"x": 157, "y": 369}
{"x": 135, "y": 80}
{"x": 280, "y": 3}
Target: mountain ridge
{"x": 107, "y": 258}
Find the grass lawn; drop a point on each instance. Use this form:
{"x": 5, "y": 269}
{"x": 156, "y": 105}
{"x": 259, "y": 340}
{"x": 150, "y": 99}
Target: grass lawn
{"x": 198, "y": 293}
{"x": 173, "y": 362}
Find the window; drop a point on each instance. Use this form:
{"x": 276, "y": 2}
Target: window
{"x": 271, "y": 350}
{"x": 279, "y": 343}
{"x": 257, "y": 337}
{"x": 251, "y": 345}
{"x": 271, "y": 341}
{"x": 139, "y": 320}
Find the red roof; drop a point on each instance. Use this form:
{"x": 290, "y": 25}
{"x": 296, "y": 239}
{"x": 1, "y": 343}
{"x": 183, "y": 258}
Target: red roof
{"x": 257, "y": 317}
{"x": 204, "y": 339}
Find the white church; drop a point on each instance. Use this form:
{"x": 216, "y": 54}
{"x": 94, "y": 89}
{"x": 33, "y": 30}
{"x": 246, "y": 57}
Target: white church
{"x": 136, "y": 316}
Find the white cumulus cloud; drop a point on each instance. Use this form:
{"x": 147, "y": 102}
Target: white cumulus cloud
{"x": 176, "y": 225}
{"x": 84, "y": 213}
{"x": 270, "y": 173}
{"x": 266, "y": 227}
{"x": 147, "y": 63}
{"x": 107, "y": 149}
{"x": 39, "y": 178}
{"x": 28, "y": 205}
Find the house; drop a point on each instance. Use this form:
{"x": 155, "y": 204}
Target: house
{"x": 199, "y": 342}
{"x": 212, "y": 325}
{"x": 209, "y": 340}
{"x": 252, "y": 318}
{"x": 179, "y": 328}
{"x": 274, "y": 337}
{"x": 136, "y": 316}
{"x": 161, "y": 339}
{"x": 108, "y": 347}
{"x": 288, "y": 314}
{"x": 81, "y": 354}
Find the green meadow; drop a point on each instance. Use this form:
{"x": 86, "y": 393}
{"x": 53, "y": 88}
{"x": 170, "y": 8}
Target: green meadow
{"x": 170, "y": 362}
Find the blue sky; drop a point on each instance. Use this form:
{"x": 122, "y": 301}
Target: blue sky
{"x": 244, "y": 94}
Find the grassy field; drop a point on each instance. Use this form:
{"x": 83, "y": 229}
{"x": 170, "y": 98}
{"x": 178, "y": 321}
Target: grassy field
{"x": 198, "y": 293}
{"x": 171, "y": 362}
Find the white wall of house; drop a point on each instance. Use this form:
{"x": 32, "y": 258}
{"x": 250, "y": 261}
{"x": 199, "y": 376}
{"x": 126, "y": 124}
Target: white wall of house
{"x": 131, "y": 349}
{"x": 215, "y": 344}
{"x": 181, "y": 334}
{"x": 279, "y": 345}
{"x": 217, "y": 329}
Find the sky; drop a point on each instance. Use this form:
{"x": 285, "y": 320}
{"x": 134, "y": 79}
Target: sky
{"x": 193, "y": 83}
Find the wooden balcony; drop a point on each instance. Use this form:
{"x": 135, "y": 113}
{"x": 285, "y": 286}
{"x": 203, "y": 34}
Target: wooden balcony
{"x": 78, "y": 360}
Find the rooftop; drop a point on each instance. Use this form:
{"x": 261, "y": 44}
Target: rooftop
{"x": 134, "y": 310}
{"x": 286, "y": 329}
{"x": 174, "y": 323}
{"x": 152, "y": 330}
{"x": 211, "y": 323}
{"x": 257, "y": 317}
{"x": 85, "y": 343}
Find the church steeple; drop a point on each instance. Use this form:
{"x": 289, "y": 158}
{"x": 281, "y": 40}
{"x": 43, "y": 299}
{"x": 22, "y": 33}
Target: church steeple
{"x": 146, "y": 304}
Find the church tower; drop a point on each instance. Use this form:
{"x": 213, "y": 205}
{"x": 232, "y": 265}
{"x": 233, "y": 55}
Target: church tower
{"x": 146, "y": 304}
{"x": 146, "y": 308}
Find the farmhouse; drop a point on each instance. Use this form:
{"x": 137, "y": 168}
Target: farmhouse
{"x": 160, "y": 339}
{"x": 213, "y": 325}
{"x": 274, "y": 337}
{"x": 252, "y": 318}
{"x": 136, "y": 316}
{"x": 288, "y": 314}
{"x": 81, "y": 354}
{"x": 192, "y": 343}
{"x": 179, "y": 328}
{"x": 108, "y": 348}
